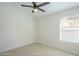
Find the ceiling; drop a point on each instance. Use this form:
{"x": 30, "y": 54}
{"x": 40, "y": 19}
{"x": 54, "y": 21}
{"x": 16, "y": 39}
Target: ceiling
{"x": 51, "y": 8}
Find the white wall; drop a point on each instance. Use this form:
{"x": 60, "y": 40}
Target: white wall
{"x": 49, "y": 31}
{"x": 16, "y": 27}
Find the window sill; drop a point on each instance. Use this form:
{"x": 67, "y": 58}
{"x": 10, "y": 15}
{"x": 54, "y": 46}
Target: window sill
{"x": 69, "y": 28}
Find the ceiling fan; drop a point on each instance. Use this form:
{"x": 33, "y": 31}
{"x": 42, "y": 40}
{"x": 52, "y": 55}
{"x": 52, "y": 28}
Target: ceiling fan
{"x": 36, "y": 7}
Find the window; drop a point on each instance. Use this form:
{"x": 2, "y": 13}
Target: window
{"x": 69, "y": 29}
{"x": 70, "y": 22}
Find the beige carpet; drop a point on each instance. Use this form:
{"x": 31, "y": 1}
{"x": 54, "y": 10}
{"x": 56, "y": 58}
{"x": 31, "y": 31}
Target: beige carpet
{"x": 35, "y": 50}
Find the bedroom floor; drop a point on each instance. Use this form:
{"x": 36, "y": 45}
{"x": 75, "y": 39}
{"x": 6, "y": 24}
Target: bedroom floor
{"x": 35, "y": 49}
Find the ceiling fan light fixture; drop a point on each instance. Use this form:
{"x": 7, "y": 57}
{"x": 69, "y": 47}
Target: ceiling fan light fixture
{"x": 35, "y": 9}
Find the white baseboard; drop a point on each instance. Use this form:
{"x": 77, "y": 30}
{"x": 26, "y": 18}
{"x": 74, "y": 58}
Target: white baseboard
{"x": 50, "y": 45}
{"x": 17, "y": 46}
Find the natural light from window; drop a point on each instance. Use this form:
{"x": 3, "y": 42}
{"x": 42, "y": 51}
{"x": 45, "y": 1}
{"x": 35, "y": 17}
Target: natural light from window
{"x": 69, "y": 29}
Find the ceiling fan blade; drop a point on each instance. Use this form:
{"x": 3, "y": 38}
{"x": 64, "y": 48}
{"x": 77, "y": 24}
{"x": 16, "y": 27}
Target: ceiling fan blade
{"x": 43, "y": 4}
{"x": 26, "y": 6}
{"x": 41, "y": 9}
